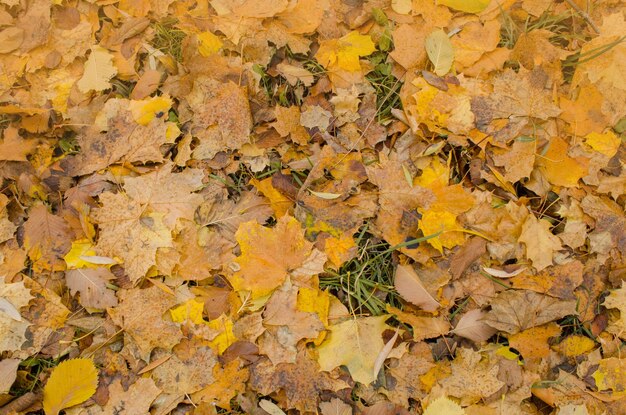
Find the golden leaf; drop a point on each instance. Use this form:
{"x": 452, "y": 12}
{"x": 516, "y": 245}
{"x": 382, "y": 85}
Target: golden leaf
{"x": 71, "y": 382}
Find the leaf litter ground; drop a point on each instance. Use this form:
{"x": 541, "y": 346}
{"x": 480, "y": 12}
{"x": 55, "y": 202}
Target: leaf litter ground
{"x": 312, "y": 206}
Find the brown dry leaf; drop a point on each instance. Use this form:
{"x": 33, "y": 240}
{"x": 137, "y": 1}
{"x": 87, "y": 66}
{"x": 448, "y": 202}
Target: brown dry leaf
{"x": 120, "y": 139}
{"x": 140, "y": 314}
{"x": 513, "y": 311}
{"x": 131, "y": 232}
{"x": 229, "y": 380}
{"x": 134, "y": 400}
{"x": 397, "y": 219}
{"x": 523, "y": 94}
{"x": 472, "y": 326}
{"x": 474, "y": 377}
{"x": 220, "y": 116}
{"x": 91, "y": 283}
{"x": 286, "y": 325}
{"x": 47, "y": 238}
{"x": 188, "y": 370}
{"x": 335, "y": 407}
{"x": 404, "y": 375}
{"x": 168, "y": 193}
{"x": 410, "y": 51}
{"x": 8, "y": 374}
{"x": 423, "y": 327}
{"x": 301, "y": 382}
{"x": 408, "y": 284}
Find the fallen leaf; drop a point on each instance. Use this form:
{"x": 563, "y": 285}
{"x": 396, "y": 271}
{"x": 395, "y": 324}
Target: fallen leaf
{"x": 355, "y": 343}
{"x": 409, "y": 286}
{"x": 265, "y": 260}
{"x": 444, "y": 406}
{"x": 71, "y": 382}
{"x": 467, "y": 6}
{"x": 540, "y": 242}
{"x": 99, "y": 69}
{"x": 513, "y": 311}
{"x": 440, "y": 51}
{"x": 471, "y": 326}
{"x": 344, "y": 53}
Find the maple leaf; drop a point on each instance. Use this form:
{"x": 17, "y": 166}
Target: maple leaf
{"x": 140, "y": 314}
{"x": 617, "y": 299}
{"x": 517, "y": 310}
{"x": 130, "y": 232}
{"x": 269, "y": 255}
{"x": 134, "y": 400}
{"x": 302, "y": 382}
{"x": 473, "y": 377}
{"x": 540, "y": 242}
{"x": 122, "y": 140}
{"x": 344, "y": 53}
{"x": 229, "y": 380}
{"x": 188, "y": 370}
{"x": 355, "y": 343}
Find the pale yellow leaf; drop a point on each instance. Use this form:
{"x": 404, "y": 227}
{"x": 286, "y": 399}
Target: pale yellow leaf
{"x": 440, "y": 51}
{"x": 99, "y": 70}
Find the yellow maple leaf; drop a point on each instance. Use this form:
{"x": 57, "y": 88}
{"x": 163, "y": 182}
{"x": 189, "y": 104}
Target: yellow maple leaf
{"x": 226, "y": 337}
{"x": 146, "y": 110}
{"x": 606, "y": 143}
{"x": 355, "y": 343}
{"x": 280, "y": 204}
{"x": 434, "y": 221}
{"x": 190, "y": 310}
{"x": 344, "y": 53}
{"x": 575, "y": 345}
{"x": 71, "y": 382}
{"x": 209, "y": 44}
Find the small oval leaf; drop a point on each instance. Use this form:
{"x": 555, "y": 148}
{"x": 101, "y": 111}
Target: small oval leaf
{"x": 327, "y": 196}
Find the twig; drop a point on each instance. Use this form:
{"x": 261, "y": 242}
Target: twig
{"x": 584, "y": 15}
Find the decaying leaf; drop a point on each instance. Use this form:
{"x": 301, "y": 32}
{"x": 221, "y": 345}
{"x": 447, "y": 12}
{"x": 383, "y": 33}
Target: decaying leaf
{"x": 513, "y": 311}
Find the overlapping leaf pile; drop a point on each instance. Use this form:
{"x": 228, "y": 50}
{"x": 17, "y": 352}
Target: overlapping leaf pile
{"x": 312, "y": 206}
